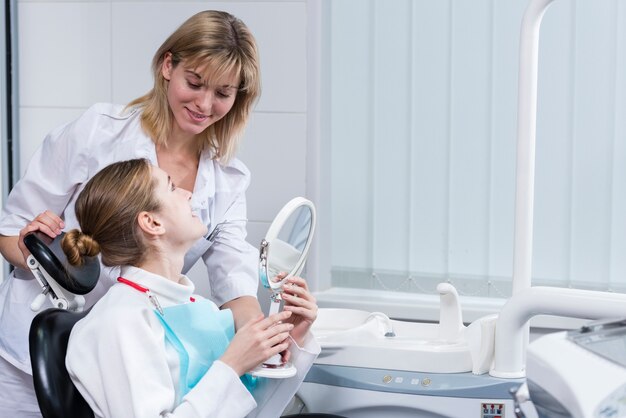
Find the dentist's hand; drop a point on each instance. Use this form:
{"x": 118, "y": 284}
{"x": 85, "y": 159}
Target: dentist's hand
{"x": 257, "y": 341}
{"x": 47, "y": 222}
{"x": 12, "y": 247}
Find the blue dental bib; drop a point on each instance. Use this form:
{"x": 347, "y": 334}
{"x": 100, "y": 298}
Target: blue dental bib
{"x": 200, "y": 335}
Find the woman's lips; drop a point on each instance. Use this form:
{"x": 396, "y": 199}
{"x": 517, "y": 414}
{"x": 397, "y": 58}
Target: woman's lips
{"x": 198, "y": 117}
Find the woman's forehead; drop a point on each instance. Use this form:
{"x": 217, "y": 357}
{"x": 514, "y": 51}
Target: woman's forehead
{"x": 214, "y": 74}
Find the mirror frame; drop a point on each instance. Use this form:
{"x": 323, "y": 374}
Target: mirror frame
{"x": 274, "y": 230}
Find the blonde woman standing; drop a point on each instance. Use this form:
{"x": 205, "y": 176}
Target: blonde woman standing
{"x": 206, "y": 79}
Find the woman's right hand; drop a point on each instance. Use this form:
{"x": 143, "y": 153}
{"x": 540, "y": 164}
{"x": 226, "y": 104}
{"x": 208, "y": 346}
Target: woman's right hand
{"x": 47, "y": 222}
{"x": 257, "y": 341}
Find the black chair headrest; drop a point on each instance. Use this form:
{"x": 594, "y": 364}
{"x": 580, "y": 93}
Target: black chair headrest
{"x": 79, "y": 280}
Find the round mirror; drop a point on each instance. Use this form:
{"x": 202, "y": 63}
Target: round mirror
{"x": 286, "y": 244}
{"x": 283, "y": 254}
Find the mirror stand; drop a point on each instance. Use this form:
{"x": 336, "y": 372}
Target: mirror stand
{"x": 273, "y": 367}
{"x": 289, "y": 238}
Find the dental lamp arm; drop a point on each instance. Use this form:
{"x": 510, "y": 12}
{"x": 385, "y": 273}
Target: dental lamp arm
{"x": 512, "y": 322}
{"x": 526, "y": 138}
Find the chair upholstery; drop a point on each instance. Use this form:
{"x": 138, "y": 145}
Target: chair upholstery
{"x": 56, "y": 394}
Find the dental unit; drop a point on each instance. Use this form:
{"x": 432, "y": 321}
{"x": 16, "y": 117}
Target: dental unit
{"x": 450, "y": 370}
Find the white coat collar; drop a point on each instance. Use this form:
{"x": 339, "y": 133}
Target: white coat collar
{"x": 168, "y": 292}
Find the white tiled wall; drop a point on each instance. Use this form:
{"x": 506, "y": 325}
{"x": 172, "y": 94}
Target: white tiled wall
{"x": 75, "y": 53}
{"x": 64, "y": 52}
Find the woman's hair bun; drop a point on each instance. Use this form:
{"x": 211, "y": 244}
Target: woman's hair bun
{"x": 77, "y": 245}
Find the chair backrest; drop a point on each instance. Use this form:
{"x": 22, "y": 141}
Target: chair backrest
{"x": 56, "y": 394}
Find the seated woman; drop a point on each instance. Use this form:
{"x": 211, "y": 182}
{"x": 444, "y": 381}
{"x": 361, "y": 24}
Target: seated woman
{"x": 149, "y": 347}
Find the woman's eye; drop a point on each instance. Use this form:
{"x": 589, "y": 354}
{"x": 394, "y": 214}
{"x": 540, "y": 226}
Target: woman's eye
{"x": 223, "y": 93}
{"x": 194, "y": 86}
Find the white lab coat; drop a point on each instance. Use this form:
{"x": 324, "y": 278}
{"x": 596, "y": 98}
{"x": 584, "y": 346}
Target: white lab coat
{"x": 69, "y": 156}
{"x": 119, "y": 361}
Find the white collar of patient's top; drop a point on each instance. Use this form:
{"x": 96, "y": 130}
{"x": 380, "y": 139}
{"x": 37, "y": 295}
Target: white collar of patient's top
{"x": 167, "y": 291}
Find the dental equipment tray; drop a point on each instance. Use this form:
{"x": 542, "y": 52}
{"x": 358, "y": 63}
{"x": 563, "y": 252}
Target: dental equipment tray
{"x": 606, "y": 339}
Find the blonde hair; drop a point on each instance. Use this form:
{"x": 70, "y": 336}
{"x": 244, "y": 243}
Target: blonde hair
{"x": 107, "y": 211}
{"x": 226, "y": 46}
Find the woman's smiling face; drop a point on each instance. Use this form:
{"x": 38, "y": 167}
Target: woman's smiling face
{"x": 195, "y": 104}
{"x": 182, "y": 226}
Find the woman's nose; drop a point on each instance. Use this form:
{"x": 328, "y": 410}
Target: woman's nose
{"x": 205, "y": 102}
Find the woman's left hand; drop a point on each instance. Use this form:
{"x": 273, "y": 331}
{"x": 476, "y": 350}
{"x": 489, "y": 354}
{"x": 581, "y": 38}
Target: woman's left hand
{"x": 303, "y": 306}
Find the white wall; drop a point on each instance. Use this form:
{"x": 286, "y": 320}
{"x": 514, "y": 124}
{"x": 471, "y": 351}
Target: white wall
{"x": 75, "y": 53}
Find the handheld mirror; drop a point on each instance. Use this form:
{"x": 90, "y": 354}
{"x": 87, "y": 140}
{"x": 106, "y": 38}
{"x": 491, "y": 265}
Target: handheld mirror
{"x": 282, "y": 255}
{"x": 286, "y": 245}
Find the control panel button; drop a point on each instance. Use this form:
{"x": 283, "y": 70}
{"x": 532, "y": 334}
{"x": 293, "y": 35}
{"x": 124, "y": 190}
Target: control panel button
{"x": 491, "y": 410}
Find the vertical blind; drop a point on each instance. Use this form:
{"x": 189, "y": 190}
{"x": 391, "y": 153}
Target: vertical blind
{"x": 422, "y": 128}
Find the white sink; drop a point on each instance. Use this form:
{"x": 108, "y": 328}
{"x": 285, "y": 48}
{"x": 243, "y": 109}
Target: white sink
{"x": 356, "y": 338}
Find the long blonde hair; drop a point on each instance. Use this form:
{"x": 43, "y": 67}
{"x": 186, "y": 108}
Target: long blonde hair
{"x": 225, "y": 45}
{"x": 107, "y": 211}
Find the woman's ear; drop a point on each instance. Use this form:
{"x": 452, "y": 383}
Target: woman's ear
{"x": 166, "y": 66}
{"x": 150, "y": 224}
